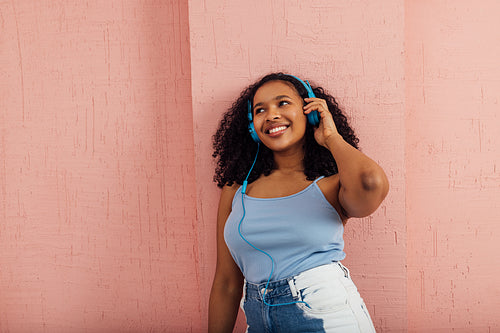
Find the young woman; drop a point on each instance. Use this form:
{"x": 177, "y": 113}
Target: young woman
{"x": 291, "y": 176}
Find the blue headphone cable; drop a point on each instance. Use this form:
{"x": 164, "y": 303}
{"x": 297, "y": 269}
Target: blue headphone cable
{"x": 243, "y": 191}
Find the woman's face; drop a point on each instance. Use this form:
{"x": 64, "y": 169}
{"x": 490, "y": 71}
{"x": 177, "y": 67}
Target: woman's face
{"x": 278, "y": 116}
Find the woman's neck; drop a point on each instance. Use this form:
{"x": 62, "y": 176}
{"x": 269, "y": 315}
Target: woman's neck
{"x": 289, "y": 162}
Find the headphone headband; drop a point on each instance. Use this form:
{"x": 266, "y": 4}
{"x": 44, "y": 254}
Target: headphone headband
{"x": 306, "y": 85}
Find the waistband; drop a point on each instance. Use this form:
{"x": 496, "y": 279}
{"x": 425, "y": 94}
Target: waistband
{"x": 291, "y": 285}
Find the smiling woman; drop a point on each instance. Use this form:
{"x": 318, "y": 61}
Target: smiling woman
{"x": 279, "y": 118}
{"x": 280, "y": 236}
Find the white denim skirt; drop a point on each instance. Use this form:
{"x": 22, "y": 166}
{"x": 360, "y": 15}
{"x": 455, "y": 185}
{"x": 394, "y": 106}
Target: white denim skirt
{"x": 322, "y": 299}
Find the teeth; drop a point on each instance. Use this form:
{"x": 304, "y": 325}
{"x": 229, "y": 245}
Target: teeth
{"x": 277, "y": 129}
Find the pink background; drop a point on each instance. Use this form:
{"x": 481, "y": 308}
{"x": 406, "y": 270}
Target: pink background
{"x": 107, "y": 109}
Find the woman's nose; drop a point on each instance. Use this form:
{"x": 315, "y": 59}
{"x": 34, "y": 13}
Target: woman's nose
{"x": 273, "y": 113}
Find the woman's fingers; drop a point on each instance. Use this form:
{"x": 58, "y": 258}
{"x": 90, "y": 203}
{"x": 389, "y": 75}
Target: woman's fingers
{"x": 315, "y": 104}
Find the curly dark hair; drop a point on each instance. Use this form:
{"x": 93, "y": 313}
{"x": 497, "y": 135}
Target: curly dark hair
{"x": 234, "y": 149}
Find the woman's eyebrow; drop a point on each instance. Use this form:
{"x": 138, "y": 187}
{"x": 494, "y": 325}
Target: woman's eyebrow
{"x": 282, "y": 96}
{"x": 275, "y": 98}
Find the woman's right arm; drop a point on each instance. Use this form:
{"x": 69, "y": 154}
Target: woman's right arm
{"x": 227, "y": 286}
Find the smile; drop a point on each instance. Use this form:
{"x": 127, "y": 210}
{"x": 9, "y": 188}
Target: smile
{"x": 275, "y": 130}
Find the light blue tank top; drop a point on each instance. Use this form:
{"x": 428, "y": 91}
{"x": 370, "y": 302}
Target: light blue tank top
{"x": 300, "y": 231}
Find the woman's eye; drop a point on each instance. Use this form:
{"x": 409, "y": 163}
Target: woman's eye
{"x": 283, "y": 103}
{"x": 259, "y": 110}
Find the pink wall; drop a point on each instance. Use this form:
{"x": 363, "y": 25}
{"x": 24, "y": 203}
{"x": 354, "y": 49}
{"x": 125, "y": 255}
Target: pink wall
{"x": 98, "y": 201}
{"x": 453, "y": 165}
{"x": 107, "y": 206}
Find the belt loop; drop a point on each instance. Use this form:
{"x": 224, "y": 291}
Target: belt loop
{"x": 293, "y": 289}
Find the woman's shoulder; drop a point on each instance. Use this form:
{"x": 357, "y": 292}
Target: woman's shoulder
{"x": 329, "y": 182}
{"x": 330, "y": 187}
{"x": 226, "y": 200}
{"x": 228, "y": 192}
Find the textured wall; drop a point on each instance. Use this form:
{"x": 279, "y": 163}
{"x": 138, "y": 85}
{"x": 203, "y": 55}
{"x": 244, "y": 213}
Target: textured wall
{"x": 98, "y": 204}
{"x": 106, "y": 226}
{"x": 355, "y": 50}
{"x": 453, "y": 165}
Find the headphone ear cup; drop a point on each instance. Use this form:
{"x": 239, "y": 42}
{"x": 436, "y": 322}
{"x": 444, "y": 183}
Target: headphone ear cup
{"x": 313, "y": 118}
{"x": 253, "y": 134}
{"x": 251, "y": 127}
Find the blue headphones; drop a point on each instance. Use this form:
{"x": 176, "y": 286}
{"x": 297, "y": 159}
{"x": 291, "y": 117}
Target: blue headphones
{"x": 312, "y": 118}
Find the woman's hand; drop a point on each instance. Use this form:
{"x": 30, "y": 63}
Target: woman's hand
{"x": 326, "y": 126}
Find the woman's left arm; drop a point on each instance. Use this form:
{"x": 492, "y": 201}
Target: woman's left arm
{"x": 363, "y": 183}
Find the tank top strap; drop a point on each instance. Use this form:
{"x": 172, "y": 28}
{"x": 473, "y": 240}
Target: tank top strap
{"x": 317, "y": 179}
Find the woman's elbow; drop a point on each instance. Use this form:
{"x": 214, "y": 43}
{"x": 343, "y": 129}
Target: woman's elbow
{"x": 375, "y": 181}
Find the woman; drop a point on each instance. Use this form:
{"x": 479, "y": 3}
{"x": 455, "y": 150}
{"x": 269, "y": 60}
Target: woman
{"x": 291, "y": 176}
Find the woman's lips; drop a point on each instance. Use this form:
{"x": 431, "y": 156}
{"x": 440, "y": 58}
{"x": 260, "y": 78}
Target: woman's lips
{"x": 276, "y": 130}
